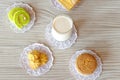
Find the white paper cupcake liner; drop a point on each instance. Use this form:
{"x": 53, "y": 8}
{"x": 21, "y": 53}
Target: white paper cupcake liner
{"x": 60, "y": 44}
{"x": 30, "y": 10}
{"x": 25, "y": 63}
{"x": 76, "y": 73}
{"x": 57, "y": 5}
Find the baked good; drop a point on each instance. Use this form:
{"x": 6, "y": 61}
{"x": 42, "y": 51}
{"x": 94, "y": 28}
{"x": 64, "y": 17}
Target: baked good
{"x": 21, "y": 17}
{"x": 86, "y": 64}
{"x": 68, "y": 4}
{"x": 37, "y": 59}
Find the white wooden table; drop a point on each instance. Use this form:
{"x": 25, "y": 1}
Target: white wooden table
{"x": 98, "y": 25}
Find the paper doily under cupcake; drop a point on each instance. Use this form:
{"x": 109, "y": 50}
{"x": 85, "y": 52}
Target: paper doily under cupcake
{"x": 60, "y": 44}
{"x": 25, "y": 63}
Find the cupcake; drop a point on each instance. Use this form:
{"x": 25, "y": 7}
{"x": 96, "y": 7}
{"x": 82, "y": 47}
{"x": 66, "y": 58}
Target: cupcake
{"x": 85, "y": 65}
{"x": 36, "y": 59}
{"x": 21, "y": 17}
{"x": 61, "y": 32}
{"x": 65, "y": 4}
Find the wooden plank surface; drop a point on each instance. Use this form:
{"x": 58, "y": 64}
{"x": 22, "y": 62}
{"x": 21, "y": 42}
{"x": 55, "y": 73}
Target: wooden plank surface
{"x": 98, "y": 25}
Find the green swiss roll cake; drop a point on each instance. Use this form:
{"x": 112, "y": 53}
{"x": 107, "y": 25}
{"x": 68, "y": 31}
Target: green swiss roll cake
{"x": 19, "y": 16}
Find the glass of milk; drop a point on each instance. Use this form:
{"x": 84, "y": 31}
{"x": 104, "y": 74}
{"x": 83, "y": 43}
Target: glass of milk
{"x": 62, "y": 27}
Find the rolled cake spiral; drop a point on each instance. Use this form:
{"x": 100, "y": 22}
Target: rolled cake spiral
{"x": 19, "y": 16}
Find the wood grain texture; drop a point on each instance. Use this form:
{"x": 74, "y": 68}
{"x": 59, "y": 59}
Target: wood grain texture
{"x": 98, "y": 25}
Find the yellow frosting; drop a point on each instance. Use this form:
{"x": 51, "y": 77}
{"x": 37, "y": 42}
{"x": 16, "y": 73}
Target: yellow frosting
{"x": 37, "y": 59}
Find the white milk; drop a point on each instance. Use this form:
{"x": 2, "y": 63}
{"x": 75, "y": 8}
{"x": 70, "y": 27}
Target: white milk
{"x": 62, "y": 27}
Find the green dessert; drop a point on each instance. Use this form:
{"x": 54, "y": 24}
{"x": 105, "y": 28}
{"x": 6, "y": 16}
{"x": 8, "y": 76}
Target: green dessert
{"x": 19, "y": 16}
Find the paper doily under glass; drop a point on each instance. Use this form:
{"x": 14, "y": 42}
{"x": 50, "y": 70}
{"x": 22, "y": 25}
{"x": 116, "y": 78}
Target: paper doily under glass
{"x": 76, "y": 73}
{"x": 30, "y": 10}
{"x": 60, "y": 44}
{"x": 25, "y": 63}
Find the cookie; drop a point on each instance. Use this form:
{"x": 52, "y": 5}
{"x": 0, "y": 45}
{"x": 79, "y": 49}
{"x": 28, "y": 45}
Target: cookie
{"x": 86, "y": 63}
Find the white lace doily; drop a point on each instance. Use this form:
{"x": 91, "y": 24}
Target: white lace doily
{"x": 60, "y": 7}
{"x": 25, "y": 63}
{"x": 30, "y": 10}
{"x": 78, "y": 76}
{"x": 60, "y": 44}
{"x": 57, "y": 5}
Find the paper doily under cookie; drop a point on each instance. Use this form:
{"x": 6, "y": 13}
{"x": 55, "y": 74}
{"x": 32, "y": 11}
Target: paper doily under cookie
{"x": 60, "y": 44}
{"x": 30, "y": 10}
{"x": 77, "y": 75}
{"x": 25, "y": 63}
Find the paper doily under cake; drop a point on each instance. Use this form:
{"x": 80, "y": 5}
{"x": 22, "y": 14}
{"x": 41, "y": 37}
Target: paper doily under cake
{"x": 76, "y": 74}
{"x": 25, "y": 63}
{"x": 60, "y": 7}
{"x": 60, "y": 44}
{"x": 57, "y": 5}
{"x": 30, "y": 10}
